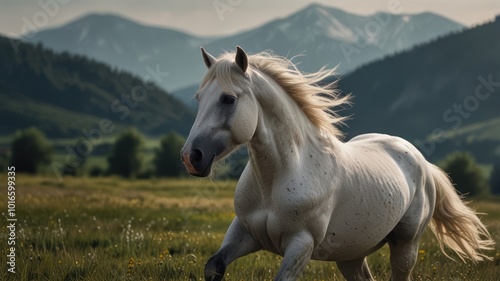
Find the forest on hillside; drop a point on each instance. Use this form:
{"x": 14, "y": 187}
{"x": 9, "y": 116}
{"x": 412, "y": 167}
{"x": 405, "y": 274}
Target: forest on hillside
{"x": 63, "y": 94}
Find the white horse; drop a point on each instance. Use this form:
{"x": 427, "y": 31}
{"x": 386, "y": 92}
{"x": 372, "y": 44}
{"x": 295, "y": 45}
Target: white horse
{"x": 304, "y": 193}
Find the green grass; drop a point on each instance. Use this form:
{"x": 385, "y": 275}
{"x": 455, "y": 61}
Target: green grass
{"x": 166, "y": 229}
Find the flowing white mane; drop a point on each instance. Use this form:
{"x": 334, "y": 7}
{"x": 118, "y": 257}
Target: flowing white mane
{"x": 317, "y": 101}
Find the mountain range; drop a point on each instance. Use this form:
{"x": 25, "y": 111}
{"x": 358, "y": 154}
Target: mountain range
{"x": 323, "y": 35}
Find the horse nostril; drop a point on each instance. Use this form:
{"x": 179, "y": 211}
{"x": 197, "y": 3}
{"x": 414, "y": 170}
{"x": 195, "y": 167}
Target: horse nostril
{"x": 195, "y": 156}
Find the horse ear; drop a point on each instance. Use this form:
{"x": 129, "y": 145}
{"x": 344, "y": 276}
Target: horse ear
{"x": 241, "y": 59}
{"x": 207, "y": 58}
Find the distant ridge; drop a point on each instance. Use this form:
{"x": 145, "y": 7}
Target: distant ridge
{"x": 325, "y": 35}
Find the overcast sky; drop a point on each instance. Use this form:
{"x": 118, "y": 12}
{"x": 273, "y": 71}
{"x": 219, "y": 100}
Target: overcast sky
{"x": 218, "y": 17}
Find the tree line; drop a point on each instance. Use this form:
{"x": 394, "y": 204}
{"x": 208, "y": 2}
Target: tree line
{"x": 30, "y": 150}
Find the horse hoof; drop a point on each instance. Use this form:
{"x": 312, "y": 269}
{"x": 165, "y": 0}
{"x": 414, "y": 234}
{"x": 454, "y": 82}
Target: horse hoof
{"x": 214, "y": 269}
{"x": 212, "y": 277}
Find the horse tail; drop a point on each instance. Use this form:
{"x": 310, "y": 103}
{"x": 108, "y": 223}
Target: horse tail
{"x": 455, "y": 224}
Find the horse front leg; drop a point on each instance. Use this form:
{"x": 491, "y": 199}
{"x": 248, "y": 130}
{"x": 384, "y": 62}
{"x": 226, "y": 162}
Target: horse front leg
{"x": 237, "y": 243}
{"x": 297, "y": 254}
{"x": 355, "y": 270}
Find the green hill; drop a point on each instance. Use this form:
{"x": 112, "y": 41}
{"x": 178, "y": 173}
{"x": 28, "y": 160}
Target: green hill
{"x": 63, "y": 94}
{"x": 437, "y": 89}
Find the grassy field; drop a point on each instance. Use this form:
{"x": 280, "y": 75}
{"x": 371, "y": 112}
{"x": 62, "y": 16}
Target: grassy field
{"x": 115, "y": 229}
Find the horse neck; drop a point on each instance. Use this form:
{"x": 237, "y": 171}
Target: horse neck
{"x": 283, "y": 135}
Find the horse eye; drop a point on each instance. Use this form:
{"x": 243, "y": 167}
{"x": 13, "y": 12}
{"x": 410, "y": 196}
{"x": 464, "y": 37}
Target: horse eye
{"x": 227, "y": 99}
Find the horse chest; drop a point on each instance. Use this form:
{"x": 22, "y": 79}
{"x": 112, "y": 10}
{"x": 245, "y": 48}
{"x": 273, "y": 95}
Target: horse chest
{"x": 270, "y": 220}
{"x": 261, "y": 223}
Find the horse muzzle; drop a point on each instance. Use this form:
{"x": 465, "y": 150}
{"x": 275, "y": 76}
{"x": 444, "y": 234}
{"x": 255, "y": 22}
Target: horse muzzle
{"x": 198, "y": 163}
{"x": 199, "y": 154}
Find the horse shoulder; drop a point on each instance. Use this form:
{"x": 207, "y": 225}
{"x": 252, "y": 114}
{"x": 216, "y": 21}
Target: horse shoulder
{"x": 304, "y": 198}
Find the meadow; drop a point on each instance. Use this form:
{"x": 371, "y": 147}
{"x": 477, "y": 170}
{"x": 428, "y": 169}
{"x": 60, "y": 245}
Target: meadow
{"x": 166, "y": 229}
